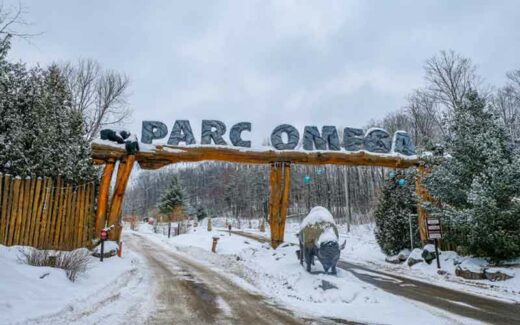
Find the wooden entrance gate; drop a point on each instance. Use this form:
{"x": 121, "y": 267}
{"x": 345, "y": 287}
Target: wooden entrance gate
{"x": 279, "y": 179}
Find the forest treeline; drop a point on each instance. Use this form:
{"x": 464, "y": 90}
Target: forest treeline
{"x": 238, "y": 190}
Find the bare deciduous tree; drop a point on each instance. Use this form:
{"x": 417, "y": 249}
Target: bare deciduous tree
{"x": 425, "y": 118}
{"x": 12, "y": 22}
{"x": 450, "y": 76}
{"x": 100, "y": 96}
{"x": 506, "y": 103}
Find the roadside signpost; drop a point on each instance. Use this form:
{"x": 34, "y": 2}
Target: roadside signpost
{"x": 104, "y": 236}
{"x": 433, "y": 225}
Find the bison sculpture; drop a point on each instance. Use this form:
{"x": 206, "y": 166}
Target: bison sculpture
{"x": 318, "y": 237}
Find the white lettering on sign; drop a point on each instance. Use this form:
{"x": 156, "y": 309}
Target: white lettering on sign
{"x": 433, "y": 226}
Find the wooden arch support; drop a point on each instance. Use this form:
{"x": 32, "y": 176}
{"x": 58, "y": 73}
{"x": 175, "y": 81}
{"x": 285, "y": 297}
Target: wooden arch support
{"x": 279, "y": 179}
{"x": 110, "y": 214}
{"x": 424, "y": 196}
{"x": 279, "y": 188}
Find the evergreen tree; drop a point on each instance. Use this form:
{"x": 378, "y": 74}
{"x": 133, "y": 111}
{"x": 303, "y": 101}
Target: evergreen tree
{"x": 40, "y": 134}
{"x": 397, "y": 204}
{"x": 172, "y": 198}
{"x": 478, "y": 185}
{"x": 201, "y": 213}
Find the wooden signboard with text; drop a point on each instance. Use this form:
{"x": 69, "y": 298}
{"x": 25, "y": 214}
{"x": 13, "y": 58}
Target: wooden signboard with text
{"x": 433, "y": 225}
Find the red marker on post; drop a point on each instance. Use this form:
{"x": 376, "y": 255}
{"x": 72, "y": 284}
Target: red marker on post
{"x": 104, "y": 236}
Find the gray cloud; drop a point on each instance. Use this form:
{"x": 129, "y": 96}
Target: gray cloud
{"x": 327, "y": 62}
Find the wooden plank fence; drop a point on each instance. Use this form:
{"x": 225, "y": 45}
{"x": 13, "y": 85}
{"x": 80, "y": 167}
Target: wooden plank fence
{"x": 46, "y": 213}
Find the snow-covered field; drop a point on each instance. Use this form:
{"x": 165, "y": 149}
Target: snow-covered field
{"x": 277, "y": 274}
{"x": 44, "y": 294}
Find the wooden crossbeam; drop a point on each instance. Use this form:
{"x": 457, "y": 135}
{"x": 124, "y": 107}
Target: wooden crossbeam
{"x": 160, "y": 156}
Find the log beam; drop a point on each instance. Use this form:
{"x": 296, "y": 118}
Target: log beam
{"x": 102, "y": 200}
{"x": 279, "y": 188}
{"x": 160, "y": 156}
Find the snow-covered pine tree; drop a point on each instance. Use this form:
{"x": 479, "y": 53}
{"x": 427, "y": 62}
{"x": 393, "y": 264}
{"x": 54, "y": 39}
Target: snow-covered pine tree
{"x": 173, "y": 198}
{"x": 397, "y": 204}
{"x": 478, "y": 185}
{"x": 40, "y": 135}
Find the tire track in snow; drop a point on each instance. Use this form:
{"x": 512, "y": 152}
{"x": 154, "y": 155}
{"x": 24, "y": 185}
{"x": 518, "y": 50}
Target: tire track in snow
{"x": 226, "y": 302}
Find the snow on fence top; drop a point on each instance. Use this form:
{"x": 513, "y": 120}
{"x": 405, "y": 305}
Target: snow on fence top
{"x": 318, "y": 214}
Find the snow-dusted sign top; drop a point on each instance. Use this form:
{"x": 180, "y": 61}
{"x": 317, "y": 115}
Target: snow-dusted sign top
{"x": 212, "y": 133}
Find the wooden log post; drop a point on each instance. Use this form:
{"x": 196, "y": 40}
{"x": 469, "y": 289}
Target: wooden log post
{"x": 5, "y": 211}
{"x": 424, "y": 196}
{"x": 102, "y": 201}
{"x": 280, "y": 185}
{"x": 123, "y": 174}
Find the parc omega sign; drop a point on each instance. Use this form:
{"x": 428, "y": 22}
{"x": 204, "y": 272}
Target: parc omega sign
{"x": 212, "y": 132}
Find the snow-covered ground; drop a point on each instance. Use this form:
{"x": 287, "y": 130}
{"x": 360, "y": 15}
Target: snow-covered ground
{"x": 46, "y": 295}
{"x": 277, "y": 274}
{"x": 363, "y": 249}
{"x": 118, "y": 290}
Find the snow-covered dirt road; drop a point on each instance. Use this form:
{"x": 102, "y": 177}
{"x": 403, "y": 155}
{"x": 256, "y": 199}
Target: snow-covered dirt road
{"x": 187, "y": 292}
{"x": 455, "y": 302}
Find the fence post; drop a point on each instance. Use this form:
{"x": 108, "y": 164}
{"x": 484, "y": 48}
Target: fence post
{"x": 5, "y": 210}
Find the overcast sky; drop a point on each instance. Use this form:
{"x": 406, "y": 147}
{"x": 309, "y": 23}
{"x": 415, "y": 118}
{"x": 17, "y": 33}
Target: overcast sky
{"x": 270, "y": 62}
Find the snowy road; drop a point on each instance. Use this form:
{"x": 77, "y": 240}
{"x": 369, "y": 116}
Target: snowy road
{"x": 468, "y": 305}
{"x": 187, "y": 292}
{"x": 456, "y": 302}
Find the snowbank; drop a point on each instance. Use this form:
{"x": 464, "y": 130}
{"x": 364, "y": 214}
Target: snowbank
{"x": 30, "y": 293}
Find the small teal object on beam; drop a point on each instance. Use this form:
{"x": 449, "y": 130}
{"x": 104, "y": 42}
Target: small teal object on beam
{"x": 403, "y": 182}
{"x": 306, "y": 179}
{"x": 391, "y": 174}
{"x": 320, "y": 171}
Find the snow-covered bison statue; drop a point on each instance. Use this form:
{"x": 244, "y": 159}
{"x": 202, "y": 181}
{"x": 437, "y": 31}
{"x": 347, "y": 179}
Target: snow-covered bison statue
{"x": 318, "y": 236}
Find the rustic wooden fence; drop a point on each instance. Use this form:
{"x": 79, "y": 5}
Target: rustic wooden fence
{"x": 46, "y": 213}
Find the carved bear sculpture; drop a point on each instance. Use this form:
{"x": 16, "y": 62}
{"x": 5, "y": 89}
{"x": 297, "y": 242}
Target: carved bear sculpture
{"x": 121, "y": 137}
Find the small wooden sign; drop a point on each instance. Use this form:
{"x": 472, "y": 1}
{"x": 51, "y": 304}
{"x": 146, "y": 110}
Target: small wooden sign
{"x": 433, "y": 225}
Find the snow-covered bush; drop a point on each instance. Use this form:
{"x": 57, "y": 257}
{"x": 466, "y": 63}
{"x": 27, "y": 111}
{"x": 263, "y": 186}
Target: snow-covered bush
{"x": 478, "y": 183}
{"x": 397, "y": 204}
{"x": 74, "y": 262}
